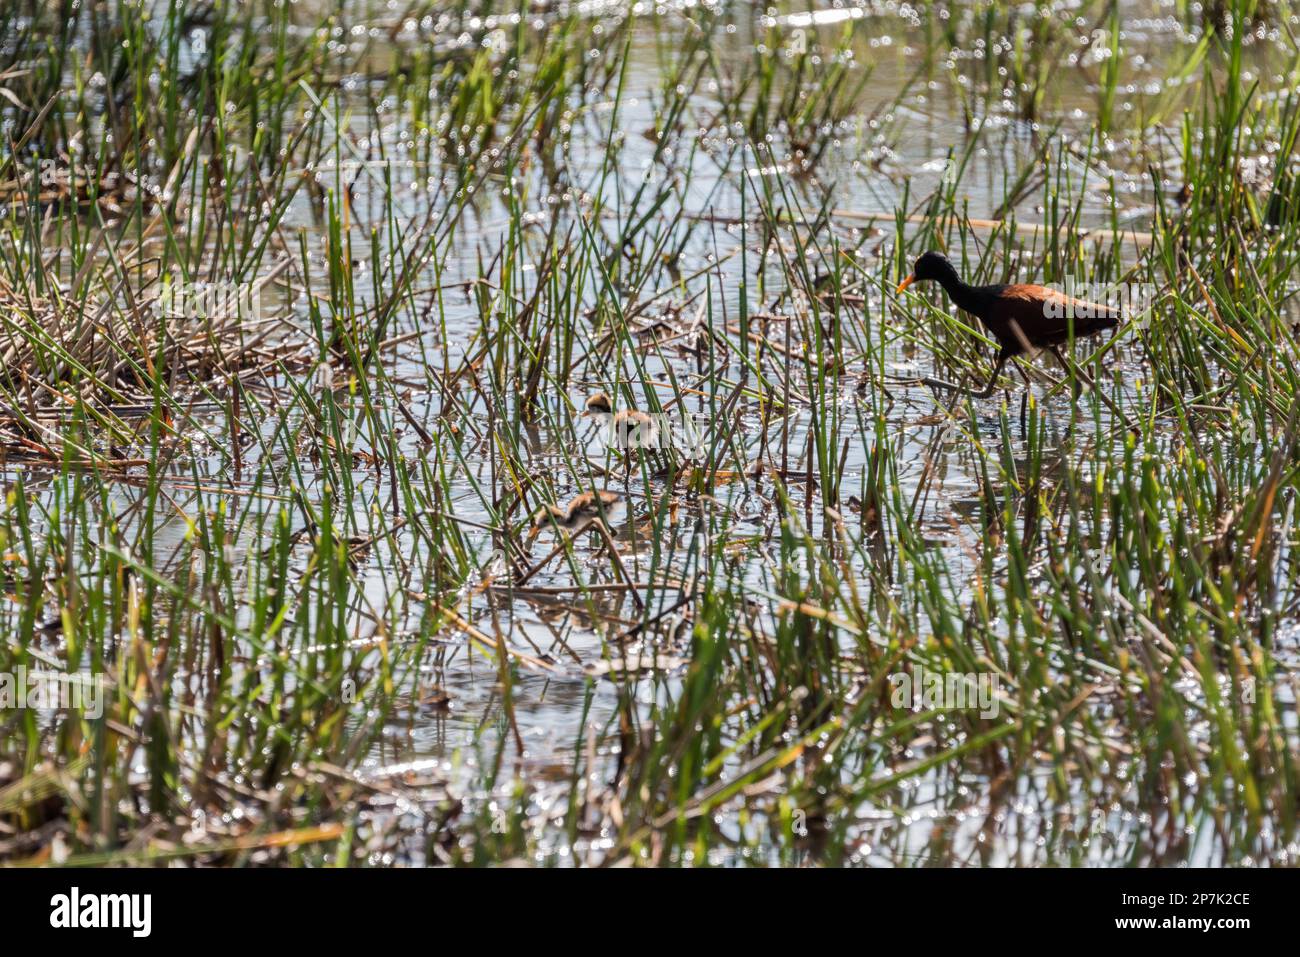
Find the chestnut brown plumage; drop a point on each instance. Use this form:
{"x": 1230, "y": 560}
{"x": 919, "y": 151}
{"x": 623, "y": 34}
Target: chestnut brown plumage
{"x": 1021, "y": 317}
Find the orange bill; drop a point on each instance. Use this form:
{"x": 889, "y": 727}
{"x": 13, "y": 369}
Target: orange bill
{"x": 904, "y": 284}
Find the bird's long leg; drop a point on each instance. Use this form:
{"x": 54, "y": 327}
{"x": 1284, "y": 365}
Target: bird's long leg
{"x": 619, "y": 566}
{"x": 589, "y": 433}
{"x": 987, "y": 391}
{"x": 1024, "y": 399}
{"x": 1072, "y": 369}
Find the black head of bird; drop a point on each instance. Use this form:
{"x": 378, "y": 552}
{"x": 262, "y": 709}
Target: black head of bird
{"x": 931, "y": 266}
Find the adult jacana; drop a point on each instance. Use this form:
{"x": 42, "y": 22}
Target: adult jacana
{"x": 1022, "y": 317}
